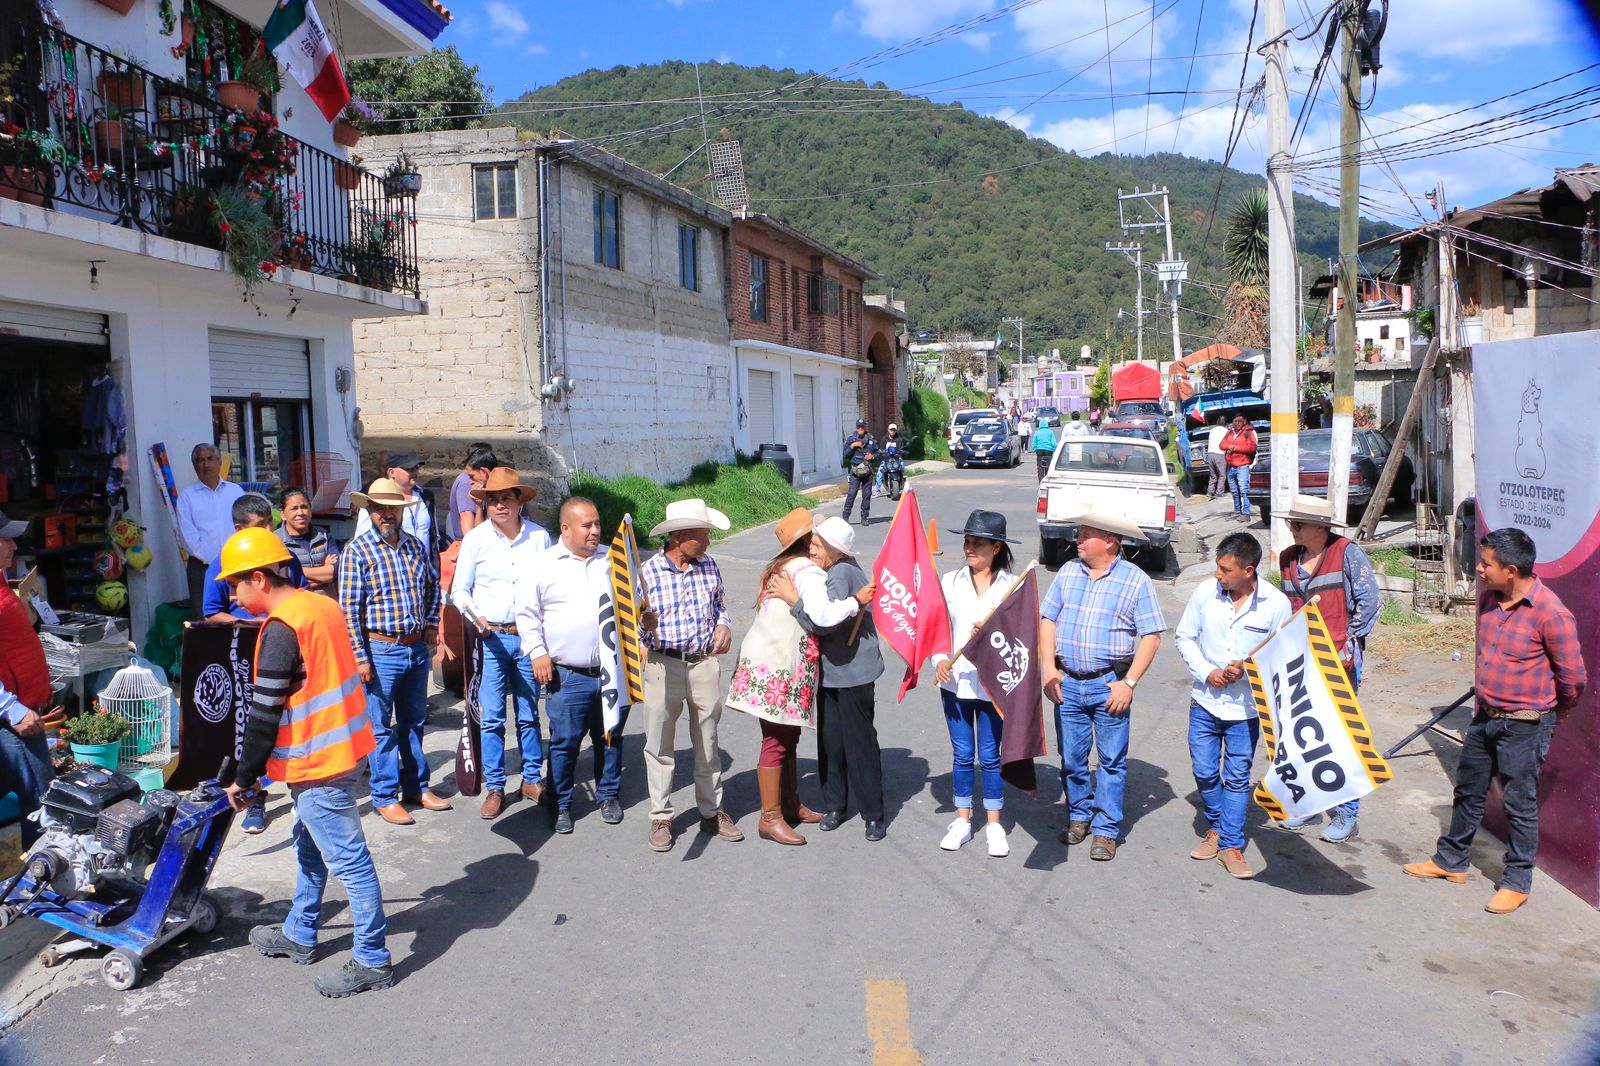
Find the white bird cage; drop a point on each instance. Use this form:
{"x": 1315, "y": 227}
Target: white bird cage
{"x": 147, "y": 706}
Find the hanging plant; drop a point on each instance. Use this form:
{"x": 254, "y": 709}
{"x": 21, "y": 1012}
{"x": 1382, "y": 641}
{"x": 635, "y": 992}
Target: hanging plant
{"x": 246, "y": 232}
{"x": 169, "y": 17}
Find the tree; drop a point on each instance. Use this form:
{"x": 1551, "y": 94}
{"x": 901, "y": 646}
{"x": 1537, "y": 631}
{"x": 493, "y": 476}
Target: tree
{"x": 433, "y": 91}
{"x": 1100, "y": 390}
{"x": 1244, "y": 249}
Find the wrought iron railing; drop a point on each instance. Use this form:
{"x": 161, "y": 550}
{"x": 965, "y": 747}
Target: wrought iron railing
{"x": 88, "y": 132}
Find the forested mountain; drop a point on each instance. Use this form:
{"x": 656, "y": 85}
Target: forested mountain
{"x": 968, "y": 219}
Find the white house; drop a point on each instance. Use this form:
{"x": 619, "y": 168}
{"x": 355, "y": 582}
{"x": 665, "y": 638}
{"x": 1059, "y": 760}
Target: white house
{"x": 111, "y": 146}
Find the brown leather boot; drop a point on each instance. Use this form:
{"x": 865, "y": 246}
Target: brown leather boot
{"x": 772, "y": 826}
{"x": 795, "y": 812}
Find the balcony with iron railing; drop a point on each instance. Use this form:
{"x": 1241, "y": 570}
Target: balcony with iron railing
{"x": 87, "y": 132}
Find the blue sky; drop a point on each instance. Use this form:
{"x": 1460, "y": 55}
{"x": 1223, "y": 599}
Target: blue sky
{"x": 1443, "y": 61}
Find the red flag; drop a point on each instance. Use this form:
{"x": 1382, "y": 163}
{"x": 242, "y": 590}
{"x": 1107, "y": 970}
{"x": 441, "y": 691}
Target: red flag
{"x": 909, "y": 611}
{"x": 1005, "y": 650}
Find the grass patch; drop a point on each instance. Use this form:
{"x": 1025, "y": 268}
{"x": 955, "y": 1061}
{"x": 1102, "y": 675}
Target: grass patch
{"x": 925, "y": 417}
{"x": 1393, "y": 562}
{"x": 749, "y": 493}
{"x": 974, "y": 398}
{"x": 1398, "y": 614}
{"x": 1275, "y": 578}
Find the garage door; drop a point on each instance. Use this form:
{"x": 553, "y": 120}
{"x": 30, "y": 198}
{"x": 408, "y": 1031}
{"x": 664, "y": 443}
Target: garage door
{"x": 759, "y": 406}
{"x": 245, "y": 365}
{"x": 52, "y": 324}
{"x": 805, "y": 421}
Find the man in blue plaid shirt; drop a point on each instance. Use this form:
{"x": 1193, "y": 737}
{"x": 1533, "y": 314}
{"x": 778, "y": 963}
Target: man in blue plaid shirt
{"x": 1099, "y": 629}
{"x": 389, "y": 593}
{"x": 686, "y": 628}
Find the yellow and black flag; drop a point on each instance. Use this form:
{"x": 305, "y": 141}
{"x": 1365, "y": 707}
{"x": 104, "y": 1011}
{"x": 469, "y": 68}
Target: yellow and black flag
{"x": 621, "y": 664}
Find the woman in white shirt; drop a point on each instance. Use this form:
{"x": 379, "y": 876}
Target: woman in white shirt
{"x": 971, "y": 593}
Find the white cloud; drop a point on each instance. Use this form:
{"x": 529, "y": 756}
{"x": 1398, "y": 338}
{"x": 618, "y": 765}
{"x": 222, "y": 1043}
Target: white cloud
{"x": 536, "y": 49}
{"x": 506, "y": 19}
{"x": 900, "y": 20}
{"x": 1076, "y": 32}
{"x": 724, "y": 57}
{"x": 978, "y": 40}
{"x": 1473, "y": 29}
{"x": 1008, "y": 115}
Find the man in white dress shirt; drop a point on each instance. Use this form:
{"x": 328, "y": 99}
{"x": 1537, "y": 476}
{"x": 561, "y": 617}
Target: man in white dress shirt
{"x": 205, "y": 518}
{"x": 493, "y": 555}
{"x": 1226, "y": 619}
{"x": 558, "y": 622}
{"x": 418, "y": 521}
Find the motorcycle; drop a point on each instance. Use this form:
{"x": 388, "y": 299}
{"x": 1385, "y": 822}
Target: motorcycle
{"x": 892, "y": 471}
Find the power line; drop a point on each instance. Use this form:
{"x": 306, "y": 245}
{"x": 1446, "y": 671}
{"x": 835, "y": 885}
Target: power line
{"x": 1188, "y": 80}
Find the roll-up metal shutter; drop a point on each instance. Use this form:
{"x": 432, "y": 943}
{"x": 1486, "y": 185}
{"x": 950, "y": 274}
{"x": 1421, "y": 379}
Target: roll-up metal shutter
{"x": 763, "y": 416}
{"x": 253, "y": 364}
{"x": 805, "y": 421}
{"x": 52, "y": 324}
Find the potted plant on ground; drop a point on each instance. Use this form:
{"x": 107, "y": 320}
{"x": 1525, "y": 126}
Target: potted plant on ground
{"x": 402, "y": 177}
{"x": 358, "y": 117}
{"x": 256, "y": 75}
{"x": 96, "y": 737}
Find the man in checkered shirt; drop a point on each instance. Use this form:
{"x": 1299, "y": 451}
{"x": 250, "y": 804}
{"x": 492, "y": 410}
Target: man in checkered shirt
{"x": 1529, "y": 675}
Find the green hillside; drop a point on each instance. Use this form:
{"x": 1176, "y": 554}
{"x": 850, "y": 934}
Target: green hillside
{"x": 968, "y": 219}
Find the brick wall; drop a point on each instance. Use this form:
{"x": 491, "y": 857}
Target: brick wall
{"x": 789, "y": 320}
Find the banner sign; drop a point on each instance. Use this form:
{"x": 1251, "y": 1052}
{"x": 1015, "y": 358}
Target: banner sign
{"x": 1315, "y": 734}
{"x": 469, "y": 748}
{"x": 1004, "y": 650}
{"x": 621, "y": 664}
{"x": 218, "y": 669}
{"x": 909, "y": 611}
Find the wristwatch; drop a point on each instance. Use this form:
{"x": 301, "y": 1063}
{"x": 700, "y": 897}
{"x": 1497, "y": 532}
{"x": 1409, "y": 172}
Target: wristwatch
{"x": 1131, "y": 682}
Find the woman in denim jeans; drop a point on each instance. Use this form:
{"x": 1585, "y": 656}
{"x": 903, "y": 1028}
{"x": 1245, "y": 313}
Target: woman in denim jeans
{"x": 972, "y": 592}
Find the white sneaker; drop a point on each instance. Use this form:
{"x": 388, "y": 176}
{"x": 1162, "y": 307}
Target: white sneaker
{"x": 959, "y": 833}
{"x": 995, "y": 834}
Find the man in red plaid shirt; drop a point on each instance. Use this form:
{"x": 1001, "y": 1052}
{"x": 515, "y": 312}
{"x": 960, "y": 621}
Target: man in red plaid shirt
{"x": 1529, "y": 675}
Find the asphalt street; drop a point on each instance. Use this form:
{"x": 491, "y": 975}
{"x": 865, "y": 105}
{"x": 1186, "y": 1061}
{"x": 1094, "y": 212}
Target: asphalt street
{"x": 515, "y": 944}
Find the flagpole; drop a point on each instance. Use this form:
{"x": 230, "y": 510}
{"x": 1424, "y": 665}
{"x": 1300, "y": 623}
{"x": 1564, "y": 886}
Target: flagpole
{"x": 1015, "y": 586}
{"x": 861, "y": 609}
{"x": 1251, "y": 653}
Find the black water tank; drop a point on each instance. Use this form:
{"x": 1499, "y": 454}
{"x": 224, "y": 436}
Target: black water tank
{"x": 778, "y": 457}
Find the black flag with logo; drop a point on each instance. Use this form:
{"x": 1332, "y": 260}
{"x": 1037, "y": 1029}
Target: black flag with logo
{"x": 469, "y": 749}
{"x": 1005, "y": 650}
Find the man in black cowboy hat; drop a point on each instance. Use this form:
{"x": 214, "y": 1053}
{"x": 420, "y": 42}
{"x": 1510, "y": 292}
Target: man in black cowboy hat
{"x": 859, "y": 452}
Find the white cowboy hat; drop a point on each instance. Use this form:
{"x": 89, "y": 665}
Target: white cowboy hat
{"x": 690, "y": 514}
{"x": 1112, "y": 523}
{"x": 384, "y": 492}
{"x": 1313, "y": 509}
{"x": 839, "y": 534}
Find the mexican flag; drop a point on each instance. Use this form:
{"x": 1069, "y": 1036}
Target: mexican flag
{"x": 300, "y": 42}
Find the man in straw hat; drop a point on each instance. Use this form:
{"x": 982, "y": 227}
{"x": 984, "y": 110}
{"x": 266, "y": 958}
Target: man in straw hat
{"x": 1321, "y": 563}
{"x": 493, "y": 554}
{"x": 402, "y": 468}
{"x": 691, "y": 627}
{"x": 389, "y": 593}
{"x": 1100, "y": 625}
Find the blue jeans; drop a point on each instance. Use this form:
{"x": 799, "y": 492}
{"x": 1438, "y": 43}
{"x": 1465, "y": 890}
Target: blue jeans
{"x": 506, "y": 671}
{"x": 574, "y": 710}
{"x": 966, "y": 718}
{"x": 327, "y": 837}
{"x": 1239, "y": 485}
{"x": 397, "y": 704}
{"x": 25, "y": 769}
{"x": 1352, "y": 807}
{"x": 1082, "y": 719}
{"x": 1222, "y": 752}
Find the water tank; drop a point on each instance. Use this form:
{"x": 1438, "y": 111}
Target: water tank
{"x": 777, "y": 456}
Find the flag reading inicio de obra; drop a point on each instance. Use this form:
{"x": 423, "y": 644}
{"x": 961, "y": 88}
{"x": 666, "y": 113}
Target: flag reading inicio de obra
{"x": 621, "y": 665}
{"x": 1316, "y": 736}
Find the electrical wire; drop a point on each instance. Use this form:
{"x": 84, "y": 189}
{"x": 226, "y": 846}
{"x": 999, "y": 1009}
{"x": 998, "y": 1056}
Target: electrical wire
{"x": 1188, "y": 80}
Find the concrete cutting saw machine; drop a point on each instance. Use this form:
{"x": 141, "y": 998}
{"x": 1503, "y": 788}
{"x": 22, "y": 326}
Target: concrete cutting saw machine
{"x": 118, "y": 872}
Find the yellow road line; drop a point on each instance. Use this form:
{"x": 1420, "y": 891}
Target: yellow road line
{"x": 889, "y": 1024}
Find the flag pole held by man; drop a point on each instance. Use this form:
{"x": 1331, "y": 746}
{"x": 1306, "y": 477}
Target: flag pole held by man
{"x": 909, "y": 608}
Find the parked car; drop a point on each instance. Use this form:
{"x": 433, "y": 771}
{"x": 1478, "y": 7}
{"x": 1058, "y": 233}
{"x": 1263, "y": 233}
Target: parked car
{"x": 1124, "y": 475}
{"x": 1146, "y": 413}
{"x": 1047, "y": 416}
{"x": 1369, "y": 450}
{"x": 1127, "y": 429}
{"x": 959, "y": 420}
{"x": 988, "y": 442}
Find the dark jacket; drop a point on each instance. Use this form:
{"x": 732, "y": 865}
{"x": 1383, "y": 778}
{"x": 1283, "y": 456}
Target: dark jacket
{"x": 868, "y": 449}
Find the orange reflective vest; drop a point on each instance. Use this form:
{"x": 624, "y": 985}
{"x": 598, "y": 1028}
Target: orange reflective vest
{"x": 324, "y": 731}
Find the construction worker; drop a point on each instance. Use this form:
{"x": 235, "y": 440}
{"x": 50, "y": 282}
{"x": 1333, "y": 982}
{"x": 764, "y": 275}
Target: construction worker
{"x": 308, "y": 727}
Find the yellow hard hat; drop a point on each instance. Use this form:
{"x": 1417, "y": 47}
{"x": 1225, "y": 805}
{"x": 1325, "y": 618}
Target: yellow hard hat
{"x": 252, "y": 549}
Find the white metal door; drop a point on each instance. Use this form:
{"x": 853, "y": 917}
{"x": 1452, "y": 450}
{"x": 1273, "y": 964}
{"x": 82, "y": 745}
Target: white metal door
{"x": 246, "y": 365}
{"x": 52, "y": 323}
{"x": 759, "y": 406}
{"x": 805, "y": 421}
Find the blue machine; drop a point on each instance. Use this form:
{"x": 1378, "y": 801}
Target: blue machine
{"x": 118, "y": 872}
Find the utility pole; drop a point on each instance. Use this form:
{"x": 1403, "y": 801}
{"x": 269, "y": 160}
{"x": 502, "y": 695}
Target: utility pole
{"x": 1016, "y": 377}
{"x": 1172, "y": 271}
{"x": 1134, "y": 254}
{"x": 1444, "y": 326}
{"x": 1281, "y": 273}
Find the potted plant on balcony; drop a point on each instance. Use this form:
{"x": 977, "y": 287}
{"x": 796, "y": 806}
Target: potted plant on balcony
{"x": 358, "y": 117}
{"x": 372, "y": 248}
{"x": 24, "y": 166}
{"x": 256, "y": 75}
{"x": 347, "y": 175}
{"x": 247, "y": 234}
{"x": 121, "y": 87}
{"x": 402, "y": 177}
{"x": 111, "y": 133}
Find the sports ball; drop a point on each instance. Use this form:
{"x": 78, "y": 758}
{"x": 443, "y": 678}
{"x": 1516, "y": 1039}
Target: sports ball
{"x": 126, "y": 533}
{"x": 137, "y": 556}
{"x": 108, "y": 564}
{"x": 112, "y": 595}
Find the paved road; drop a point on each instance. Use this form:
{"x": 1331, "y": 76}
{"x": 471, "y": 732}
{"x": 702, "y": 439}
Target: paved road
{"x": 513, "y": 943}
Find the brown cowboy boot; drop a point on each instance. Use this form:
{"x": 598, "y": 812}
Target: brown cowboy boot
{"x": 795, "y": 812}
{"x": 772, "y": 826}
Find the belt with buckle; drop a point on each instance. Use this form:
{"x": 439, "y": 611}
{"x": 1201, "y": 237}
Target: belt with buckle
{"x": 586, "y": 671}
{"x": 404, "y": 639}
{"x": 690, "y": 658}
{"x": 509, "y": 628}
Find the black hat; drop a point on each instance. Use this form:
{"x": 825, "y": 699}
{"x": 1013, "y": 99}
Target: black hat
{"x": 402, "y": 461}
{"x": 990, "y": 525}
{"x": 861, "y": 423}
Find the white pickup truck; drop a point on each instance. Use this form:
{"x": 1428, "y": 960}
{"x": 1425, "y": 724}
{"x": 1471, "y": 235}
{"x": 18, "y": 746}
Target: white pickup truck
{"x": 1119, "y": 475}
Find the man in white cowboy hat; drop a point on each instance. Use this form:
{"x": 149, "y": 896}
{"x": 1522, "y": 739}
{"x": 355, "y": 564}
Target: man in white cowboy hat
{"x": 1322, "y": 563}
{"x": 1100, "y": 625}
{"x": 686, "y": 628}
{"x": 493, "y": 554}
{"x": 389, "y": 593}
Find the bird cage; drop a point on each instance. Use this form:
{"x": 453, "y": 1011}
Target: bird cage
{"x": 146, "y": 705}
